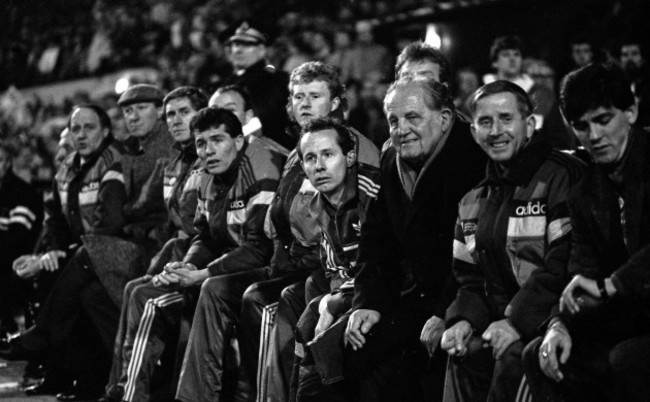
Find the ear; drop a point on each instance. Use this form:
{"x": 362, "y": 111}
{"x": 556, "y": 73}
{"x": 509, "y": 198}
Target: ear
{"x": 351, "y": 158}
{"x": 105, "y": 132}
{"x": 447, "y": 118}
{"x": 336, "y": 102}
{"x": 530, "y": 126}
{"x": 160, "y": 112}
{"x": 632, "y": 113}
{"x": 239, "y": 142}
{"x": 248, "y": 115}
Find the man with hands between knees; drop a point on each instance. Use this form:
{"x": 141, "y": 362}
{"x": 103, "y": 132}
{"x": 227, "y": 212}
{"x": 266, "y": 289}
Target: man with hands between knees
{"x": 510, "y": 246}
{"x": 598, "y": 346}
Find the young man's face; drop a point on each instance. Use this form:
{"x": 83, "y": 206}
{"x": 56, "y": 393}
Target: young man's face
{"x": 324, "y": 163}
{"x": 423, "y": 68}
{"x": 86, "y": 130}
{"x": 311, "y": 100}
{"x": 582, "y": 54}
{"x": 499, "y": 128}
{"x": 141, "y": 118}
{"x": 217, "y": 149}
{"x": 508, "y": 63}
{"x": 604, "y": 132}
{"x": 415, "y": 129}
{"x": 179, "y": 113}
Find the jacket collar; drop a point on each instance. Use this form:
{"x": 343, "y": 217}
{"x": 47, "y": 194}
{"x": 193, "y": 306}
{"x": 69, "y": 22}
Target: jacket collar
{"x": 523, "y": 167}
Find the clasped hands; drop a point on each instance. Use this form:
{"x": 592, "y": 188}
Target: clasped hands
{"x": 499, "y": 335}
{"x": 179, "y": 274}
{"x": 27, "y": 266}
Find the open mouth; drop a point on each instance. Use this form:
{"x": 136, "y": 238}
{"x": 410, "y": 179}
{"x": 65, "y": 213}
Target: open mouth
{"x": 499, "y": 144}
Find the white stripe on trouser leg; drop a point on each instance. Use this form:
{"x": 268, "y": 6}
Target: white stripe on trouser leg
{"x": 523, "y": 394}
{"x": 141, "y": 338}
{"x": 268, "y": 316}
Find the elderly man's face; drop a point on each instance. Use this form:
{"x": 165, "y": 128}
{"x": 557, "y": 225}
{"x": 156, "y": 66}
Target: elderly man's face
{"x": 245, "y": 54}
{"x": 141, "y": 118}
{"x": 604, "y": 132}
{"x": 427, "y": 69}
{"x": 499, "y": 128}
{"x": 415, "y": 129}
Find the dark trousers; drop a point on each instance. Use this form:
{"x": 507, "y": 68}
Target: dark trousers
{"x": 280, "y": 357}
{"x": 595, "y": 371}
{"x": 393, "y": 365}
{"x": 259, "y": 297}
{"x": 478, "y": 377}
{"x": 215, "y": 319}
{"x": 77, "y": 290}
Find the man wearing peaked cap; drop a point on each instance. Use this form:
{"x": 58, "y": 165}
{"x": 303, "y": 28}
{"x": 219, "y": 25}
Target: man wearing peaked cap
{"x": 141, "y": 93}
{"x": 266, "y": 86}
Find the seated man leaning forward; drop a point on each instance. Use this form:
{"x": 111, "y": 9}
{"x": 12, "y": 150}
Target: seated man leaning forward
{"x": 510, "y": 248}
{"x": 328, "y": 156}
{"x": 233, "y": 197}
{"x": 598, "y": 347}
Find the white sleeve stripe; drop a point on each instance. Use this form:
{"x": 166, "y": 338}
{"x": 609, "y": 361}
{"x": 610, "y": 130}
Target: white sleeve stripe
{"x": 462, "y": 253}
{"x": 263, "y": 197}
{"x": 557, "y": 229}
{"x": 369, "y": 182}
{"x": 113, "y": 175}
{"x": 23, "y": 211}
{"x": 22, "y": 220}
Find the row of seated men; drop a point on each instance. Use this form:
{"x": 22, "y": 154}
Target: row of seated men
{"x": 466, "y": 262}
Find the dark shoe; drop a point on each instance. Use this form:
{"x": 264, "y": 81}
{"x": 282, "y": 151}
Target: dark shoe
{"x": 43, "y": 388}
{"x": 114, "y": 394}
{"x": 13, "y": 349}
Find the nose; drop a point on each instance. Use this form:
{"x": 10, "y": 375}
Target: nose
{"x": 305, "y": 103}
{"x": 595, "y": 133}
{"x": 320, "y": 164}
{"x": 495, "y": 129}
{"x": 210, "y": 149}
{"x": 177, "y": 119}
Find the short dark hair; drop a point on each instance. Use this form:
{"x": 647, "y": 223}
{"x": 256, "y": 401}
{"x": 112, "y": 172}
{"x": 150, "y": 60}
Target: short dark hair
{"x": 422, "y": 52}
{"x": 104, "y": 119}
{"x": 213, "y": 118}
{"x": 344, "y": 137}
{"x": 593, "y": 86}
{"x": 238, "y": 90}
{"x": 505, "y": 43}
{"x": 198, "y": 99}
{"x": 524, "y": 104}
{"x": 436, "y": 95}
{"x": 319, "y": 71}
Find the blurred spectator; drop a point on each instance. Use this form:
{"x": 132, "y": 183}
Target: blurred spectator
{"x": 21, "y": 213}
{"x": 582, "y": 51}
{"x": 632, "y": 58}
{"x": 467, "y": 82}
{"x": 368, "y": 58}
{"x": 506, "y": 55}
{"x": 266, "y": 86}
{"x": 342, "y": 57}
{"x": 541, "y": 72}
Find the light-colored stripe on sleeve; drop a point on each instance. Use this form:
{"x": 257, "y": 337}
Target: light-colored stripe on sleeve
{"x": 557, "y": 229}
{"x": 113, "y": 175}
{"x": 22, "y": 210}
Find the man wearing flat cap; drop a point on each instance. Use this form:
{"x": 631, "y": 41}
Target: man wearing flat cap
{"x": 267, "y": 87}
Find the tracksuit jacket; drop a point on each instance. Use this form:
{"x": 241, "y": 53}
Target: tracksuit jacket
{"x": 512, "y": 241}
{"x": 88, "y": 197}
{"x": 230, "y": 214}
